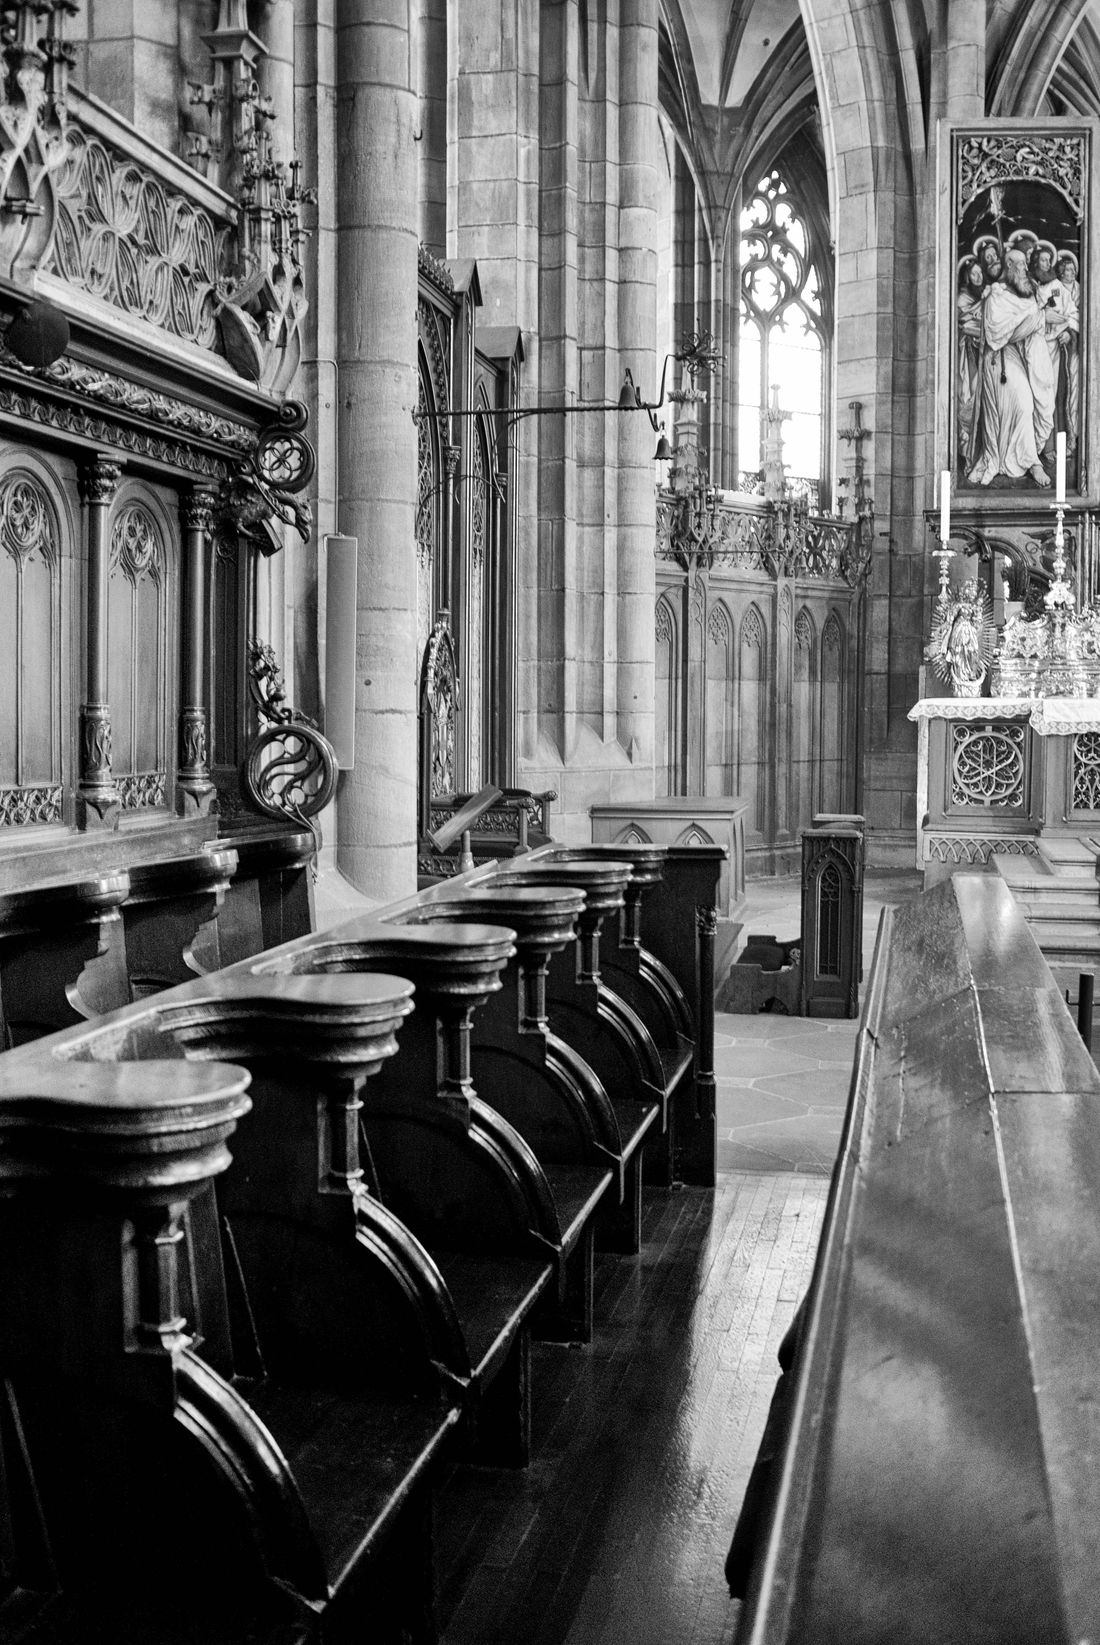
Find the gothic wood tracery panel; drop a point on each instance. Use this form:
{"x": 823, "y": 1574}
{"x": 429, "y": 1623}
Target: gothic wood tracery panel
{"x": 31, "y": 558}
{"x": 142, "y": 615}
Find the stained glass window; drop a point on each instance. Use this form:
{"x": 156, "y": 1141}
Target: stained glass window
{"x": 781, "y": 338}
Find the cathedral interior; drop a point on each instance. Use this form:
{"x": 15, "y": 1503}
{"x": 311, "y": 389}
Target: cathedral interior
{"x": 494, "y": 498}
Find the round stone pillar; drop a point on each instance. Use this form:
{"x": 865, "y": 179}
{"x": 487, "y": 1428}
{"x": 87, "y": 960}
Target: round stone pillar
{"x": 637, "y": 298}
{"x": 376, "y": 349}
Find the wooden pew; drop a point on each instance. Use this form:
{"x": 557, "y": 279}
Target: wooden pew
{"x": 542, "y": 1085}
{"x": 586, "y": 1010}
{"x": 422, "y": 1109}
{"x": 314, "y": 1348}
{"x": 646, "y": 986}
{"x": 934, "y": 1449}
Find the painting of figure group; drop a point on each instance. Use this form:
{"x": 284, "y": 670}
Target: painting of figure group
{"x": 1019, "y": 358}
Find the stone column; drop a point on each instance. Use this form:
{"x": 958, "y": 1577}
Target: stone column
{"x": 194, "y": 789}
{"x": 434, "y": 74}
{"x": 131, "y": 60}
{"x": 98, "y": 800}
{"x": 637, "y": 302}
{"x": 376, "y": 119}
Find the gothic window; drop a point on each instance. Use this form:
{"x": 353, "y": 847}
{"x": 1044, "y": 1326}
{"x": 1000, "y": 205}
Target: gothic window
{"x": 30, "y": 582}
{"x": 782, "y": 335}
{"x": 138, "y": 656}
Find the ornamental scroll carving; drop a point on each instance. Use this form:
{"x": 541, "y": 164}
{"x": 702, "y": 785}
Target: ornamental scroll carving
{"x": 266, "y": 486}
{"x": 290, "y": 767}
{"x": 987, "y": 766}
{"x": 1086, "y": 771}
{"x": 1018, "y": 157}
{"x": 124, "y": 237}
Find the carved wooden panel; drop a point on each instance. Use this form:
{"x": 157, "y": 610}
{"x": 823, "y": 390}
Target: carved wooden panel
{"x": 142, "y": 615}
{"x": 30, "y": 642}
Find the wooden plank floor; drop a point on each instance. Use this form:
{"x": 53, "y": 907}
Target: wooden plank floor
{"x": 642, "y": 1441}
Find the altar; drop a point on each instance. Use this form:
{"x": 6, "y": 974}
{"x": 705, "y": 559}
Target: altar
{"x": 995, "y": 775}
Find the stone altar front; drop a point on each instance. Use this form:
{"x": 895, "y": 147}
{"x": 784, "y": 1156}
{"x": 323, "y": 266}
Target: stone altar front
{"x": 998, "y": 774}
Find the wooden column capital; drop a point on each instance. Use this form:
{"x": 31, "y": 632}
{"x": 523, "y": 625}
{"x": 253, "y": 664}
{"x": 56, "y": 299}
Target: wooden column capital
{"x": 99, "y": 479}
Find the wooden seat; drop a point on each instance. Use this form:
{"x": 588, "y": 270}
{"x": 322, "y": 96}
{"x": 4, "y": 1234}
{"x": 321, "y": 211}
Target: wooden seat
{"x": 441, "y": 1183}
{"x": 530, "y": 1074}
{"x": 428, "y": 1109}
{"x": 325, "y": 1331}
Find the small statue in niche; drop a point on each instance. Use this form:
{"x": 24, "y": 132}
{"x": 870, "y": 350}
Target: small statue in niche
{"x": 963, "y": 638}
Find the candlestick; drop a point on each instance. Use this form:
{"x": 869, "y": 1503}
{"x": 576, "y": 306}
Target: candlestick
{"x": 1060, "y": 467}
{"x": 945, "y": 505}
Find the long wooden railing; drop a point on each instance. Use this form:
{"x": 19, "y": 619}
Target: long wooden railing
{"x": 930, "y": 1467}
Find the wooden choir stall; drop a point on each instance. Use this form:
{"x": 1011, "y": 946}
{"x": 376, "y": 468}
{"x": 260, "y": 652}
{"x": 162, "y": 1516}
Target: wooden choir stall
{"x": 277, "y": 1238}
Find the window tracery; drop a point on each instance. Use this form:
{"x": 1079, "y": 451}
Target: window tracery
{"x": 782, "y": 331}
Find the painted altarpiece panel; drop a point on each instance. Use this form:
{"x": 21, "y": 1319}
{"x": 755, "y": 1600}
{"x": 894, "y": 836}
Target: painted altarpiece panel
{"x": 1018, "y": 204}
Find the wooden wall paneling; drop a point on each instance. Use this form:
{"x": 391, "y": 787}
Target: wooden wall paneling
{"x": 31, "y": 565}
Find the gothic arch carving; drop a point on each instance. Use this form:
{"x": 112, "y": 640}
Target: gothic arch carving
{"x": 31, "y": 553}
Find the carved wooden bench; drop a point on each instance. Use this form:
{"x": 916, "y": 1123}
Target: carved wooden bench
{"x": 929, "y": 1470}
{"x": 305, "y": 1363}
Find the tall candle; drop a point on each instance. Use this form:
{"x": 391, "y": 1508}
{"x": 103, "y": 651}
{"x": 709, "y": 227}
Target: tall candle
{"x": 945, "y": 505}
{"x": 1060, "y": 467}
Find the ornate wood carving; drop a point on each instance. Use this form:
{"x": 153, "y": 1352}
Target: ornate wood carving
{"x": 32, "y": 130}
{"x": 266, "y": 485}
{"x": 195, "y": 790}
{"x": 99, "y": 801}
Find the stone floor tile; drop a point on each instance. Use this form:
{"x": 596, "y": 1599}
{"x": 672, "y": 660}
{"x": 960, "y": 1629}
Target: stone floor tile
{"x": 756, "y": 1106}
